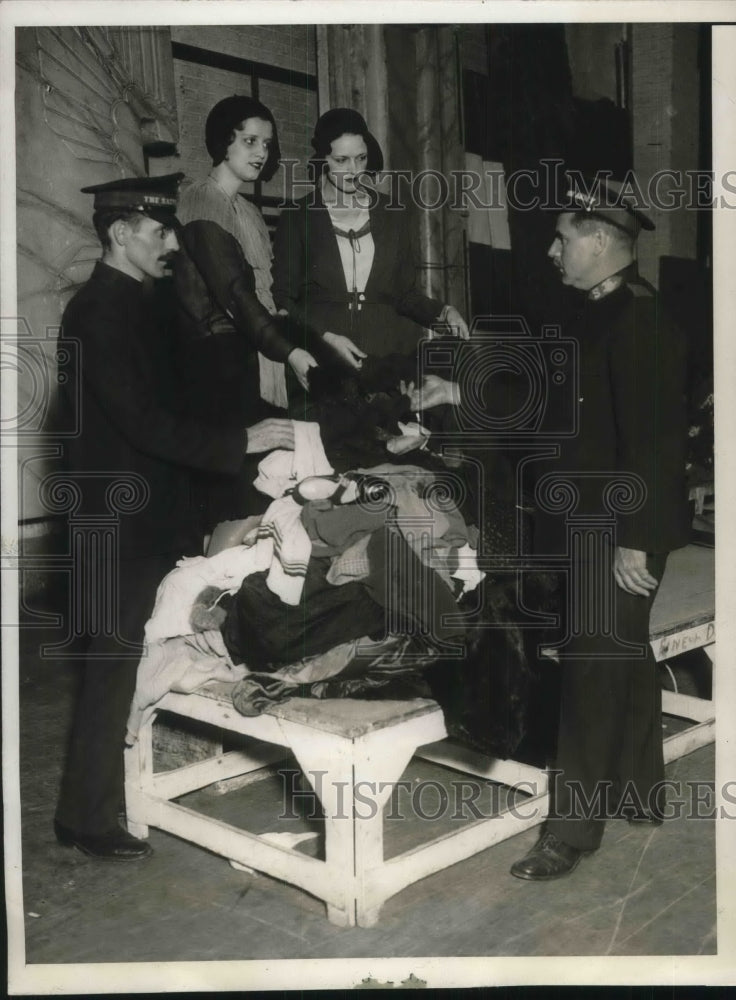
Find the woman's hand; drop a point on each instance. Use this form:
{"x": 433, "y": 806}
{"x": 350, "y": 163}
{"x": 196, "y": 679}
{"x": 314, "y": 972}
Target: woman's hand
{"x": 435, "y": 391}
{"x": 452, "y": 318}
{"x": 271, "y": 433}
{"x": 345, "y": 348}
{"x": 301, "y": 361}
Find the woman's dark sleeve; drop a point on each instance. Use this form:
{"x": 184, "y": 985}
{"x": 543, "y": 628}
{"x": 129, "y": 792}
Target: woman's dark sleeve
{"x": 410, "y": 301}
{"x": 229, "y": 280}
{"x": 289, "y": 271}
{"x": 289, "y": 262}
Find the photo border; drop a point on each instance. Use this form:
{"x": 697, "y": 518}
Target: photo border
{"x": 435, "y": 972}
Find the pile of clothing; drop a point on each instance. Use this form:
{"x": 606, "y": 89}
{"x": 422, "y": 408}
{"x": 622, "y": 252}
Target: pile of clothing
{"x": 395, "y": 564}
{"x": 378, "y": 597}
{"x": 321, "y": 598}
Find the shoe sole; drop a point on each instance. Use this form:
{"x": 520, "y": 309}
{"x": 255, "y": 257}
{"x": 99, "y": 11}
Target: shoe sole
{"x": 103, "y": 857}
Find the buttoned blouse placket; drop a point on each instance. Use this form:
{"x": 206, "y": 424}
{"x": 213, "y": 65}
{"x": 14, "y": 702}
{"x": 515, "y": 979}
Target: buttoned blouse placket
{"x": 356, "y": 294}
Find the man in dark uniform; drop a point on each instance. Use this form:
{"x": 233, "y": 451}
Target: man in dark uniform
{"x": 624, "y": 472}
{"x": 131, "y": 460}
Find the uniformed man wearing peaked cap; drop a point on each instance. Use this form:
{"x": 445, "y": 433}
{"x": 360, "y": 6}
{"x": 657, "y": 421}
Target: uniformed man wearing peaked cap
{"x": 133, "y": 444}
{"x": 152, "y": 196}
{"x": 625, "y": 464}
{"x": 609, "y": 200}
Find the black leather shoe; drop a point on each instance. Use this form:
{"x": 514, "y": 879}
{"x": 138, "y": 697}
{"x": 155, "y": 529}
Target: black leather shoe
{"x": 549, "y": 858}
{"x": 118, "y": 845}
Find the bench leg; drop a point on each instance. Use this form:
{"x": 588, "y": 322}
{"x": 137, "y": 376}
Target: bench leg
{"x": 327, "y": 763}
{"x": 710, "y": 652}
{"x": 139, "y": 780}
{"x": 339, "y": 916}
{"x": 353, "y": 779}
{"x": 379, "y": 763}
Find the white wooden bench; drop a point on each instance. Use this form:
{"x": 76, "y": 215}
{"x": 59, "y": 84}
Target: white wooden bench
{"x": 683, "y": 619}
{"x": 344, "y": 742}
{"x": 349, "y": 741}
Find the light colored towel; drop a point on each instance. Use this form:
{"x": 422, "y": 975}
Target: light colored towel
{"x": 281, "y": 469}
{"x": 292, "y": 548}
{"x": 178, "y": 590}
{"x": 176, "y": 664}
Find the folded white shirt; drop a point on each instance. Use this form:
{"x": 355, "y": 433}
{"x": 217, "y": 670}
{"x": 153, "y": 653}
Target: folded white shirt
{"x": 282, "y": 469}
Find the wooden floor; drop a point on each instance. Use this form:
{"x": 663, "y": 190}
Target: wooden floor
{"x": 645, "y": 892}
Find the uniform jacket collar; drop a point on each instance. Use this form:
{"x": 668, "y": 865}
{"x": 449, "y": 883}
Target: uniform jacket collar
{"x": 113, "y": 276}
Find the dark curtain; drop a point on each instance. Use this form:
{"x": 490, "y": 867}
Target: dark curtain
{"x": 524, "y": 112}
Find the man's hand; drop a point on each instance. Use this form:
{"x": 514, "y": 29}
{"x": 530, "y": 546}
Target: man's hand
{"x": 435, "y": 391}
{"x": 345, "y": 348}
{"x": 452, "y": 318}
{"x": 269, "y": 434}
{"x": 630, "y": 571}
{"x": 301, "y": 361}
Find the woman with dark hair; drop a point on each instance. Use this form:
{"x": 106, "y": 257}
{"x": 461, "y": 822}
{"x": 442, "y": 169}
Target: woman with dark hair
{"x": 343, "y": 263}
{"x": 232, "y": 345}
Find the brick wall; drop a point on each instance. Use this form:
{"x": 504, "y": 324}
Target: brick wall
{"x": 296, "y": 113}
{"x": 198, "y": 88}
{"x": 291, "y": 46}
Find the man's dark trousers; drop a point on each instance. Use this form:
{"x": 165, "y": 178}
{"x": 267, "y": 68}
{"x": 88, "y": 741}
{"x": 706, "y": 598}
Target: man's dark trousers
{"x": 610, "y": 725}
{"x": 91, "y": 794}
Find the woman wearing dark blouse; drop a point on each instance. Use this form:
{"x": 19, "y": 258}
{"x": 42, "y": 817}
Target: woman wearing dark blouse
{"x": 343, "y": 264}
{"x": 232, "y": 347}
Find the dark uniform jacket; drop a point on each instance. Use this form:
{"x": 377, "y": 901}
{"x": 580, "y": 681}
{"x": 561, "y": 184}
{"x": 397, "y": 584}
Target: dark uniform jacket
{"x": 309, "y": 281}
{"x": 126, "y": 426}
{"x": 631, "y": 418}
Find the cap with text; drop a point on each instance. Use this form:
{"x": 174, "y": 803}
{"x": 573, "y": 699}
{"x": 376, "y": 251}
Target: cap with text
{"x": 154, "y": 196}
